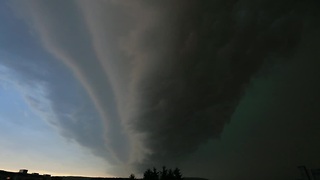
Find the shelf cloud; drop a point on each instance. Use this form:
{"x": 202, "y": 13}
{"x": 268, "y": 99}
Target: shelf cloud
{"x": 159, "y": 78}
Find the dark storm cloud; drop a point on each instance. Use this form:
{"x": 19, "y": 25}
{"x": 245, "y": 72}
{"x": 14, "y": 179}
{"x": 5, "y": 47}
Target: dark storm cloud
{"x": 275, "y": 126}
{"x": 167, "y": 76}
{"x": 218, "y": 47}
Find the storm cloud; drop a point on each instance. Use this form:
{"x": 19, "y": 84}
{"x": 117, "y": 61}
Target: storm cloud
{"x": 165, "y": 77}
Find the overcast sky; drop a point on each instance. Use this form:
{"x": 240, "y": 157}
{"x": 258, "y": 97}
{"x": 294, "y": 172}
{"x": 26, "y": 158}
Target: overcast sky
{"x": 223, "y": 89}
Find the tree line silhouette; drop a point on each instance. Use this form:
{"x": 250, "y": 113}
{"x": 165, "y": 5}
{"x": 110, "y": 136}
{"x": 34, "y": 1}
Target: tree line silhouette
{"x": 164, "y": 174}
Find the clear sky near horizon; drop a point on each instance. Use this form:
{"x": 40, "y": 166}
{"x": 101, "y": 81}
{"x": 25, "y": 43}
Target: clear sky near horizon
{"x": 222, "y": 89}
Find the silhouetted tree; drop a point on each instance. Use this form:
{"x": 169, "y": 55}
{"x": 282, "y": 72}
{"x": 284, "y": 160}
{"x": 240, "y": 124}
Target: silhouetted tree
{"x": 170, "y": 175}
{"x": 177, "y": 174}
{"x": 155, "y": 174}
{"x": 164, "y": 173}
{"x": 147, "y": 175}
{"x": 132, "y": 176}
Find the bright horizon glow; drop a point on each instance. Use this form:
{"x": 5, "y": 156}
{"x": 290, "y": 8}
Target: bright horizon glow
{"x": 36, "y": 146}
